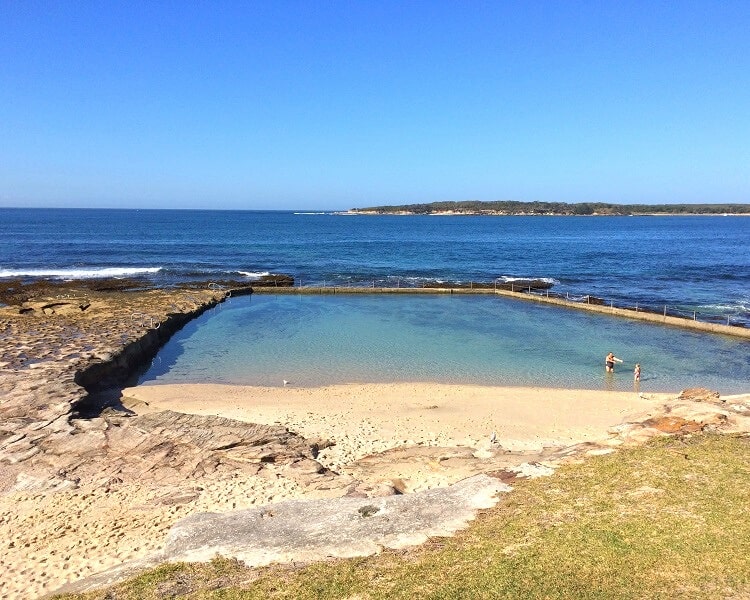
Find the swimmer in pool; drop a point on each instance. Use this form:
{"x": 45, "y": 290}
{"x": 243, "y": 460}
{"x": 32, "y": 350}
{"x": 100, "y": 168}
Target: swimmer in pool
{"x": 609, "y": 362}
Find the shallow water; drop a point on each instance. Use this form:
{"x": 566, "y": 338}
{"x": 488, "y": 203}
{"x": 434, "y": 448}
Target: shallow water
{"x": 485, "y": 340}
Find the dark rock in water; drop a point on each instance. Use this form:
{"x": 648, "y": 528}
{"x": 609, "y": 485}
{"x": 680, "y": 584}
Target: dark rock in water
{"x": 274, "y": 280}
{"x": 459, "y": 285}
{"x": 594, "y": 300}
{"x": 524, "y": 285}
{"x": 15, "y": 292}
{"x": 117, "y": 284}
{"x": 517, "y": 285}
{"x": 235, "y": 285}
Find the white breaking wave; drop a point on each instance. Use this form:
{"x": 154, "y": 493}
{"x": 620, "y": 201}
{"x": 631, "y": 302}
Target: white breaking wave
{"x": 506, "y": 279}
{"x": 251, "y": 275}
{"x": 740, "y": 306}
{"x": 90, "y": 273}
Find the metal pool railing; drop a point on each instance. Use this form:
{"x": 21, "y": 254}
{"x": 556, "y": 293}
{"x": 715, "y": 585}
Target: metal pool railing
{"x": 664, "y": 310}
{"x": 391, "y": 284}
{"x": 144, "y": 320}
{"x": 216, "y": 287}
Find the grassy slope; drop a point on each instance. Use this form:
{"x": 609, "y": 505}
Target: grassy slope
{"x": 668, "y": 520}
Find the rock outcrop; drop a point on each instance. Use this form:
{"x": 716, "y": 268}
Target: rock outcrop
{"x": 699, "y": 395}
{"x": 172, "y": 449}
{"x": 310, "y": 530}
{"x": 57, "y": 349}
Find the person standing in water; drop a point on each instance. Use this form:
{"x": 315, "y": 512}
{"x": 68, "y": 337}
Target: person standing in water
{"x": 637, "y": 372}
{"x": 609, "y": 362}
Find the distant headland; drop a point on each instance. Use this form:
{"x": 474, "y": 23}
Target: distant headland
{"x": 512, "y": 207}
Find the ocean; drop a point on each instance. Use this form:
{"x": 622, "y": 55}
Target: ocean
{"x": 699, "y": 264}
{"x": 693, "y": 263}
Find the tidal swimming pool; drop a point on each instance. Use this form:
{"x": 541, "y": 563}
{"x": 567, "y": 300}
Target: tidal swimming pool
{"x": 485, "y": 340}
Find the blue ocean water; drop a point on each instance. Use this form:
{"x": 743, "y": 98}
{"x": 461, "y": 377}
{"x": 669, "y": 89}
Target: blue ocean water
{"x": 313, "y": 340}
{"x": 688, "y": 262}
{"x": 695, "y": 263}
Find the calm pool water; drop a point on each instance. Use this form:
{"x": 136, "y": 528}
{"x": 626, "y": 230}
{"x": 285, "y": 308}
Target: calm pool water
{"x": 487, "y": 340}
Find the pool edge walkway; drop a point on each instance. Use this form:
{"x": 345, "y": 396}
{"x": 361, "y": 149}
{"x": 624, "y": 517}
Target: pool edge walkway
{"x": 627, "y": 313}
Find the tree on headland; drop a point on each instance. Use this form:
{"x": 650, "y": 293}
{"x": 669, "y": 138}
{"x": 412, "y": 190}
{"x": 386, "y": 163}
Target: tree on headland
{"x": 514, "y": 207}
{"x": 583, "y": 209}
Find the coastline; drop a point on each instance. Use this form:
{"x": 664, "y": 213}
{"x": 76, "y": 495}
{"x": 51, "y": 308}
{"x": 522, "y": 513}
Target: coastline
{"x": 448, "y": 213}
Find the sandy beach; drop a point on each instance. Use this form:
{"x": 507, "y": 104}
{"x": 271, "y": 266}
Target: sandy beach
{"x": 414, "y": 436}
{"x": 364, "y": 419}
{"x": 57, "y": 538}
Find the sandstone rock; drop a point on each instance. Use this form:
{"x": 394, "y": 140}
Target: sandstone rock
{"x": 703, "y": 412}
{"x": 533, "y": 470}
{"x": 50, "y": 360}
{"x": 395, "y": 523}
{"x": 673, "y": 424}
{"x": 310, "y": 530}
{"x": 307, "y": 466}
{"x": 641, "y": 435}
{"x": 373, "y": 490}
{"x": 699, "y": 395}
{"x": 623, "y": 429}
{"x": 449, "y": 463}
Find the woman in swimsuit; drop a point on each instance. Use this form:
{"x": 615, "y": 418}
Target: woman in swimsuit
{"x": 609, "y": 362}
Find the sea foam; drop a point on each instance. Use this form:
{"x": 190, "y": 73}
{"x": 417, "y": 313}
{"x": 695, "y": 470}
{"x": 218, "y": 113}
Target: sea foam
{"x": 508, "y": 279}
{"x": 80, "y": 273}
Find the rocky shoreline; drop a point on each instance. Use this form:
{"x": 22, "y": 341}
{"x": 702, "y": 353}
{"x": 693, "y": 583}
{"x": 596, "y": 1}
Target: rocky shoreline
{"x": 61, "y": 429}
{"x": 86, "y": 484}
{"x": 55, "y": 441}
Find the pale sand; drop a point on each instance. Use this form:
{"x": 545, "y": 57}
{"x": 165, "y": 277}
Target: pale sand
{"x": 51, "y": 539}
{"x": 367, "y": 418}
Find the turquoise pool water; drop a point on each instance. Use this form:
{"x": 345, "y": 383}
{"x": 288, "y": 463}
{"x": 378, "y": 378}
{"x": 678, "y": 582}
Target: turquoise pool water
{"x": 487, "y": 340}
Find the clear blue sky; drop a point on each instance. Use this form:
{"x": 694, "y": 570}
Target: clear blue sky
{"x": 330, "y": 104}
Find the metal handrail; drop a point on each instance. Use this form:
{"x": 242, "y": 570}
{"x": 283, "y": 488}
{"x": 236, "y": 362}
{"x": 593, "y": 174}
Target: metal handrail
{"x": 216, "y": 287}
{"x": 144, "y": 319}
{"x": 735, "y": 320}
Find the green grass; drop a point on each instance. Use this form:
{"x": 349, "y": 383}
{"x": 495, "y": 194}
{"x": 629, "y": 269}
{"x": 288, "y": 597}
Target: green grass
{"x": 667, "y": 520}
